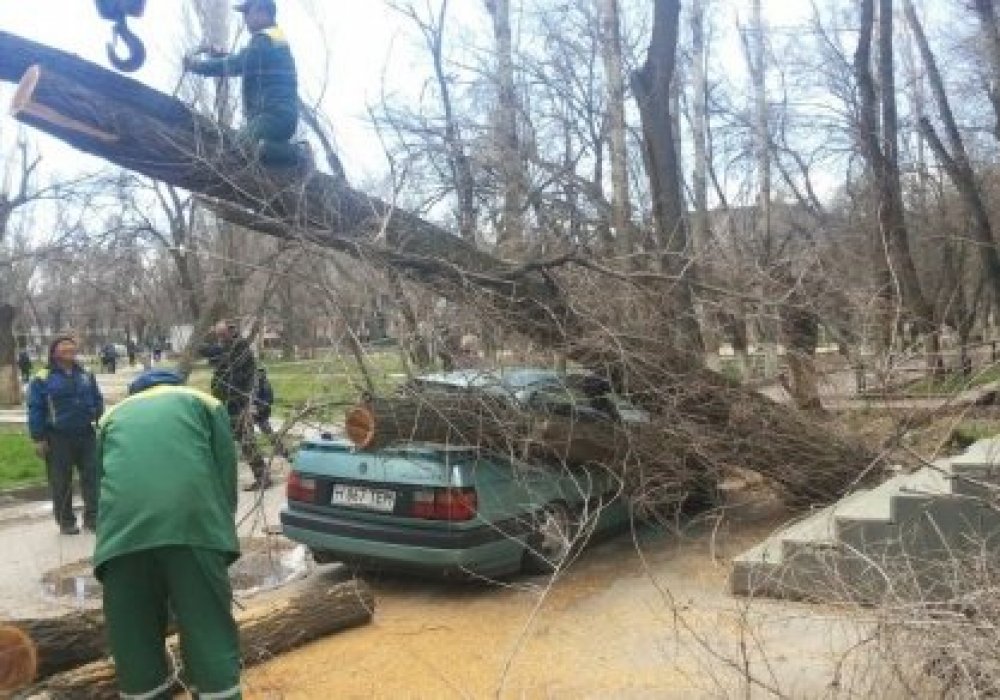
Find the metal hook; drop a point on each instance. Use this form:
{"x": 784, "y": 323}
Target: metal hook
{"x": 136, "y": 55}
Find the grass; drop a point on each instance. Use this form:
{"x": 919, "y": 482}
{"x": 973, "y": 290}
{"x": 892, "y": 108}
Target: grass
{"x": 18, "y": 464}
{"x": 332, "y": 383}
{"x": 952, "y": 382}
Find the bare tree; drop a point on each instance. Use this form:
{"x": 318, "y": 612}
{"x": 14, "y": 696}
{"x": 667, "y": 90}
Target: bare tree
{"x": 651, "y": 86}
{"x": 956, "y": 163}
{"x": 609, "y": 15}
{"x": 512, "y": 231}
{"x": 878, "y": 135}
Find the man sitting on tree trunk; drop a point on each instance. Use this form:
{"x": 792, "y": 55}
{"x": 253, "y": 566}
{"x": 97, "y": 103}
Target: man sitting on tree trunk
{"x": 269, "y": 83}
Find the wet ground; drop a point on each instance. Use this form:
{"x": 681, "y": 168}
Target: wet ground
{"x": 642, "y": 617}
{"x": 46, "y": 574}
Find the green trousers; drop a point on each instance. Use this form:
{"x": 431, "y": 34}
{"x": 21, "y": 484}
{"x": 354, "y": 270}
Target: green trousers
{"x": 194, "y": 584}
{"x": 268, "y": 136}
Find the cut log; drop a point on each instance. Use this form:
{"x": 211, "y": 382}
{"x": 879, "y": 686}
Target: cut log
{"x": 701, "y": 425}
{"x": 297, "y": 614}
{"x": 490, "y": 424}
{"x": 66, "y": 641}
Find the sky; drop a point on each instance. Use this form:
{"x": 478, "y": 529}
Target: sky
{"x": 349, "y": 47}
{"x": 348, "y": 52}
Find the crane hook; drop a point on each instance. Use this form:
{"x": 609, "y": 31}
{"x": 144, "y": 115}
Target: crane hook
{"x": 136, "y": 55}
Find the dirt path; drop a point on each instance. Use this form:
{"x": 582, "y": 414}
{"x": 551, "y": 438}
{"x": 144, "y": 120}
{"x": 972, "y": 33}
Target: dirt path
{"x": 613, "y": 627}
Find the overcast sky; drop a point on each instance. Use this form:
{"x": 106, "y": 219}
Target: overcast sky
{"x": 355, "y": 48}
{"x": 351, "y": 46}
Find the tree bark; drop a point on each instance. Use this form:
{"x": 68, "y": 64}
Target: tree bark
{"x": 295, "y": 615}
{"x": 67, "y": 641}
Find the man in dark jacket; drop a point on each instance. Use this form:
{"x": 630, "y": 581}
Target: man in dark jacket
{"x": 269, "y": 84}
{"x": 262, "y": 402}
{"x": 24, "y": 365}
{"x": 166, "y": 535}
{"x": 233, "y": 383}
{"x": 64, "y": 401}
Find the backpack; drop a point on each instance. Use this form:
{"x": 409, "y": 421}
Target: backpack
{"x": 264, "y": 396}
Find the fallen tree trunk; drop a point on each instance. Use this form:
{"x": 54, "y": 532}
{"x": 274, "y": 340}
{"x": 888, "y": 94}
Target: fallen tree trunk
{"x": 703, "y": 423}
{"x": 295, "y": 615}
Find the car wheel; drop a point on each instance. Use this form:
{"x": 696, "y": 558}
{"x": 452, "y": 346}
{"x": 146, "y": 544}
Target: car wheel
{"x": 321, "y": 556}
{"x": 552, "y": 538}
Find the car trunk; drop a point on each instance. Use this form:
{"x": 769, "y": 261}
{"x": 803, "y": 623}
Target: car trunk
{"x": 379, "y": 484}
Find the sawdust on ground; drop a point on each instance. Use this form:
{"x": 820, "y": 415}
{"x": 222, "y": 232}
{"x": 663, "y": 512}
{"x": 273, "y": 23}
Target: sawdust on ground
{"x": 643, "y": 618}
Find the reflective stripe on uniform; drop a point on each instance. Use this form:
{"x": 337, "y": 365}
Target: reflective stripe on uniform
{"x": 155, "y": 692}
{"x": 275, "y": 34}
{"x": 222, "y": 694}
{"x": 160, "y": 390}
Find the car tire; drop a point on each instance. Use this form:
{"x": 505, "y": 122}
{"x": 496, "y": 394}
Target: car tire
{"x": 552, "y": 539}
{"x": 321, "y": 556}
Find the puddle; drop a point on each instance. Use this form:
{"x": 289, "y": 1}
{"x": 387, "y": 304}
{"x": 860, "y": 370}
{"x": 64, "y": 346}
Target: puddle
{"x": 266, "y": 564}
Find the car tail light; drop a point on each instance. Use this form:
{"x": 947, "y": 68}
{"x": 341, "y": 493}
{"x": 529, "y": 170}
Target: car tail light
{"x": 445, "y": 504}
{"x": 300, "y": 488}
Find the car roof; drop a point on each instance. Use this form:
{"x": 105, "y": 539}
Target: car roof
{"x": 513, "y": 378}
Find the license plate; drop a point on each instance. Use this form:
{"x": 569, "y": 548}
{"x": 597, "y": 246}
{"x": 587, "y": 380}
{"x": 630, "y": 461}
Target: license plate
{"x": 361, "y": 497}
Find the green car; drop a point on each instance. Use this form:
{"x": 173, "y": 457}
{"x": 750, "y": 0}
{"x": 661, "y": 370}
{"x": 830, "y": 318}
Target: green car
{"x": 445, "y": 509}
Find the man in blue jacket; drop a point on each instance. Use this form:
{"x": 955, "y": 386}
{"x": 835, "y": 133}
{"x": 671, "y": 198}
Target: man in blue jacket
{"x": 64, "y": 402}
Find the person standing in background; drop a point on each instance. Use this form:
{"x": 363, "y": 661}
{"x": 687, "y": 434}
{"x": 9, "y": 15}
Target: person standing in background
{"x": 64, "y": 402}
{"x": 233, "y": 384}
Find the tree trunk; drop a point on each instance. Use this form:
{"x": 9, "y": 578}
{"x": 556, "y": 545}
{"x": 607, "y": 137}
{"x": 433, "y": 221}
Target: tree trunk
{"x": 614, "y": 75}
{"x": 879, "y": 148}
{"x": 703, "y": 421}
{"x": 986, "y": 11}
{"x": 756, "y": 62}
{"x": 512, "y": 221}
{"x": 699, "y": 129}
{"x": 10, "y": 377}
{"x": 651, "y": 86}
{"x": 295, "y": 615}
{"x": 956, "y": 163}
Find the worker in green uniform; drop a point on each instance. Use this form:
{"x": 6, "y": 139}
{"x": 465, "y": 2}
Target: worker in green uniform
{"x": 269, "y": 84}
{"x": 166, "y": 536}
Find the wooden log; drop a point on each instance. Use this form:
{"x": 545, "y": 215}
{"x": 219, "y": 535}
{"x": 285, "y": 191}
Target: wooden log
{"x": 66, "y": 641}
{"x": 574, "y": 438}
{"x": 297, "y": 614}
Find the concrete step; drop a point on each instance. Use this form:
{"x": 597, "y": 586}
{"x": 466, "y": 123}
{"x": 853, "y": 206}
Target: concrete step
{"x": 903, "y": 536}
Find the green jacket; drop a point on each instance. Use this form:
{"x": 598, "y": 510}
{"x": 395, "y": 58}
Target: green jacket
{"x": 167, "y": 469}
{"x": 270, "y": 83}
